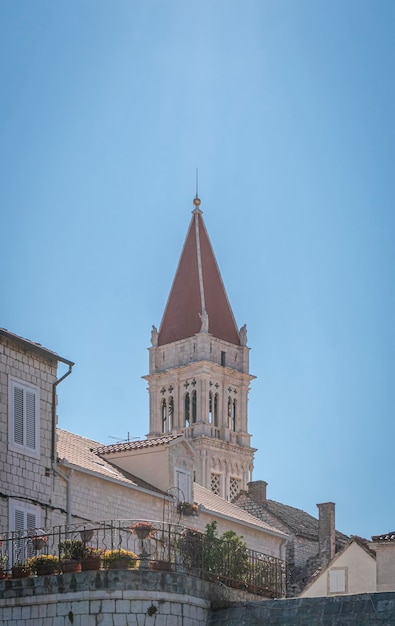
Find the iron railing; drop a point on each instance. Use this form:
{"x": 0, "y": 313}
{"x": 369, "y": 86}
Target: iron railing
{"x": 155, "y": 545}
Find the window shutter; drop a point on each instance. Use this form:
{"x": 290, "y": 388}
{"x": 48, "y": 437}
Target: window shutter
{"x": 19, "y": 520}
{"x": 31, "y": 520}
{"x": 31, "y": 419}
{"x": 337, "y": 581}
{"x": 183, "y": 483}
{"x": 18, "y": 415}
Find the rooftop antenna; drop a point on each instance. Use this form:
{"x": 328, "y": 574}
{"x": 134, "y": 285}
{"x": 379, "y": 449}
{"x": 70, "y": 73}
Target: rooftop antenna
{"x": 129, "y": 438}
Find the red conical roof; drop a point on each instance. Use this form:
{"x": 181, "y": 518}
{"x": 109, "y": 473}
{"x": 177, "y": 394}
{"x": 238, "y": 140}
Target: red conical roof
{"x": 197, "y": 287}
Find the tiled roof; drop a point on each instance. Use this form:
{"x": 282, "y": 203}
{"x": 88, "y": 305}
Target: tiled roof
{"x": 297, "y": 521}
{"x": 136, "y": 445}
{"x": 363, "y": 543}
{"x": 197, "y": 284}
{"x": 79, "y": 451}
{"x": 35, "y": 347}
{"x": 386, "y": 537}
{"x": 218, "y": 505}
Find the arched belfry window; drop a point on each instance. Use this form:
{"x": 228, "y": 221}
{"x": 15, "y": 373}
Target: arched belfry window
{"x": 210, "y": 408}
{"x": 187, "y": 409}
{"x": 229, "y": 412}
{"x": 170, "y": 414}
{"x": 194, "y": 406}
{"x": 164, "y": 415}
{"x": 216, "y": 410}
{"x": 233, "y": 423}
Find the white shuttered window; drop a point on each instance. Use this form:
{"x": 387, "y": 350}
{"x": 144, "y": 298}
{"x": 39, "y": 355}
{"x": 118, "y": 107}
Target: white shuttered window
{"x": 337, "y": 580}
{"x": 24, "y": 418}
{"x": 23, "y": 517}
{"x": 183, "y": 482}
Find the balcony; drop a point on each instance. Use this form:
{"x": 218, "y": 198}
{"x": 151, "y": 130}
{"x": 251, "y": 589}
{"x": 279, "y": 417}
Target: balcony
{"x": 140, "y": 545}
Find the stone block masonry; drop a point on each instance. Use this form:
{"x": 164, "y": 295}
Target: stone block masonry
{"x": 106, "y": 598}
{"x": 147, "y": 598}
{"x": 370, "y": 609}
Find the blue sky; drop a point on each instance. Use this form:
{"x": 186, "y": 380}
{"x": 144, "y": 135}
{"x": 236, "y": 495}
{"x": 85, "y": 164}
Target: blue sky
{"x": 287, "y": 109}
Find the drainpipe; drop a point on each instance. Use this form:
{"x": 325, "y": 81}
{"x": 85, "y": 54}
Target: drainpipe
{"x": 53, "y": 443}
{"x": 55, "y": 384}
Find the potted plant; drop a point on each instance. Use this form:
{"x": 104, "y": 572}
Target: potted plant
{"x": 44, "y": 564}
{"x": 3, "y": 566}
{"x": 91, "y": 559}
{"x": 39, "y": 541}
{"x": 71, "y": 554}
{"x": 119, "y": 559}
{"x": 186, "y": 508}
{"x": 20, "y": 569}
{"x": 143, "y": 530}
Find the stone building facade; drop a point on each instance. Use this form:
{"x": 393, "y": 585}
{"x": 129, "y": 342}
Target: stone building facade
{"x": 28, "y": 381}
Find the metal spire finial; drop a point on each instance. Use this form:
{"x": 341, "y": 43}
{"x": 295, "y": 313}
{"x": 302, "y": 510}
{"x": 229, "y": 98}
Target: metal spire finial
{"x": 196, "y": 200}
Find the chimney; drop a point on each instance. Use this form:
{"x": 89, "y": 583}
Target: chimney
{"x": 257, "y": 491}
{"x": 326, "y": 530}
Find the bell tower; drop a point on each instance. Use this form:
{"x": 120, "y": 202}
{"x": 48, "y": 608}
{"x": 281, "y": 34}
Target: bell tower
{"x": 199, "y": 378}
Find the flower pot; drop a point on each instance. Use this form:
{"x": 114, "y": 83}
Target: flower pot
{"x": 39, "y": 541}
{"x": 120, "y": 563}
{"x": 90, "y": 563}
{"x": 143, "y": 530}
{"x": 45, "y": 570}
{"x": 70, "y": 565}
{"x": 20, "y": 571}
{"x": 160, "y": 566}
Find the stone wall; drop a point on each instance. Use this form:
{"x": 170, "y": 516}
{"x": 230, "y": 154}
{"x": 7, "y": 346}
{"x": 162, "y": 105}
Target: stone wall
{"x": 147, "y": 598}
{"x": 110, "y": 598}
{"x": 371, "y": 609}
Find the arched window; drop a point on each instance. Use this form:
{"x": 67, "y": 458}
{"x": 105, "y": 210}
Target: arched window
{"x": 170, "y": 414}
{"x": 164, "y": 415}
{"x": 210, "y": 407}
{"x": 216, "y": 410}
{"x": 234, "y": 416}
{"x": 229, "y": 412}
{"x": 187, "y": 409}
{"x": 194, "y": 407}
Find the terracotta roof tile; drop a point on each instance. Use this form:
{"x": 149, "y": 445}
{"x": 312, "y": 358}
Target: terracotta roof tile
{"x": 299, "y": 522}
{"x": 386, "y": 537}
{"x": 79, "y": 451}
{"x": 136, "y": 445}
{"x": 197, "y": 280}
{"x": 218, "y": 505}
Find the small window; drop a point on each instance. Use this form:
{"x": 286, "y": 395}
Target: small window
{"x": 216, "y": 410}
{"x": 215, "y": 483}
{"x": 194, "y": 407}
{"x": 170, "y": 414}
{"x": 187, "y": 409}
{"x": 24, "y": 425}
{"x": 183, "y": 483}
{"x": 233, "y": 422}
{"x": 164, "y": 416}
{"x": 337, "y": 580}
{"x": 223, "y": 358}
